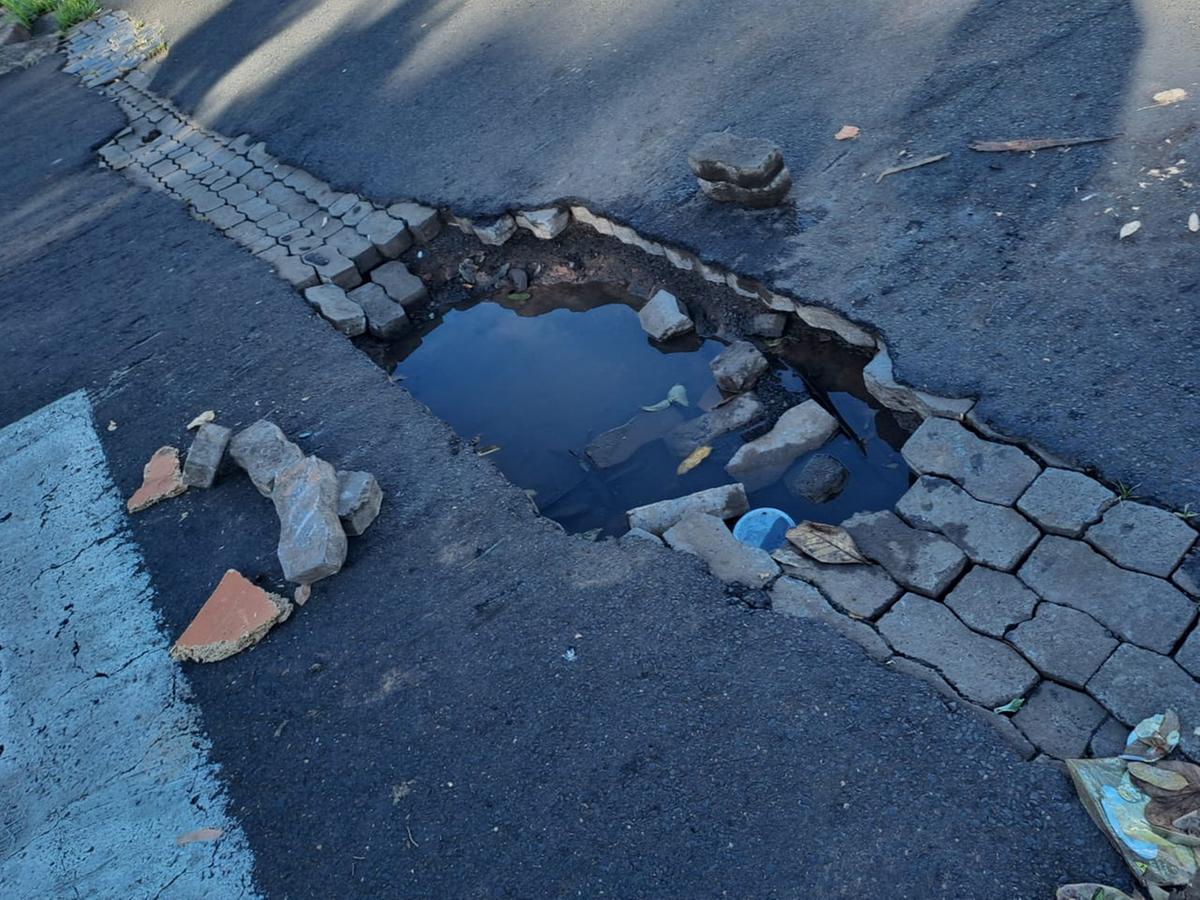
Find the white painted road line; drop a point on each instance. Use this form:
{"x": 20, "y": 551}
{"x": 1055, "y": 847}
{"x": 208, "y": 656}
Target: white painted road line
{"x": 102, "y": 763}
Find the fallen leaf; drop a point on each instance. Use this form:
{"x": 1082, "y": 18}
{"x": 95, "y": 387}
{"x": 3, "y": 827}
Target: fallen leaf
{"x": 677, "y": 394}
{"x": 847, "y": 133}
{"x": 1194, "y": 223}
{"x": 825, "y": 543}
{"x": 916, "y": 164}
{"x": 1166, "y": 98}
{"x": 697, "y": 456}
{"x": 1160, "y": 778}
{"x": 1011, "y": 706}
{"x": 1023, "y": 145}
{"x": 1128, "y": 229}
{"x": 200, "y": 834}
{"x": 203, "y": 419}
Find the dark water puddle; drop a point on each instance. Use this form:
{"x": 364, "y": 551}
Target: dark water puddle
{"x": 541, "y": 378}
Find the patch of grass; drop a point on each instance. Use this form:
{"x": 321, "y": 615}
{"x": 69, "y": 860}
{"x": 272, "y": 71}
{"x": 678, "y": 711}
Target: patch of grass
{"x": 1187, "y": 513}
{"x": 1126, "y": 491}
{"x": 72, "y": 12}
{"x": 26, "y": 11}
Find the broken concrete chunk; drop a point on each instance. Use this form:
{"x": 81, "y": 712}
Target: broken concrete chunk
{"x": 803, "y": 601}
{"x": 863, "y": 591}
{"x": 386, "y": 319}
{"x": 726, "y": 557}
{"x": 264, "y": 451}
{"x": 754, "y": 198}
{"x": 1065, "y": 502}
{"x": 205, "y": 455}
{"x": 731, "y": 416}
{"x": 738, "y": 367}
{"x": 312, "y": 543}
{"x": 235, "y": 616}
{"x": 726, "y": 502}
{"x": 991, "y": 602}
{"x": 727, "y": 157}
{"x": 546, "y": 224}
{"x": 920, "y": 560}
{"x": 800, "y": 430}
{"x": 495, "y": 233}
{"x": 161, "y": 479}
{"x": 617, "y": 445}
{"x": 817, "y": 480}
{"x": 423, "y": 222}
{"x": 400, "y": 284}
{"x": 994, "y": 473}
{"x": 1141, "y": 537}
{"x": 335, "y": 307}
{"x": 359, "y": 499}
{"x": 663, "y": 317}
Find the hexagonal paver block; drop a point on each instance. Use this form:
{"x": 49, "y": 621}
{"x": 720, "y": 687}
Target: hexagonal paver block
{"x": 1144, "y": 538}
{"x": 991, "y": 601}
{"x": 400, "y": 284}
{"x": 1135, "y": 683}
{"x": 863, "y": 591}
{"x": 1065, "y": 502}
{"x": 1188, "y": 655}
{"x": 801, "y": 600}
{"x": 1138, "y": 608}
{"x": 1063, "y": 643}
{"x": 983, "y": 670}
{"x": 1060, "y": 721}
{"x": 919, "y": 560}
{"x": 994, "y": 473}
{"x": 1187, "y": 576}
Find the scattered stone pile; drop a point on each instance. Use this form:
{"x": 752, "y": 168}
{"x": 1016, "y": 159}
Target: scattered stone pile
{"x": 745, "y": 171}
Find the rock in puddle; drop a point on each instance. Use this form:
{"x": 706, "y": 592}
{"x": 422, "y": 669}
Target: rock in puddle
{"x": 161, "y": 479}
{"x": 264, "y": 451}
{"x": 800, "y": 430}
{"x": 993, "y": 473}
{"x": 663, "y": 317}
{"x": 725, "y": 502}
{"x": 235, "y": 616}
{"x": 1143, "y": 538}
{"x": 732, "y": 415}
{"x": 738, "y": 367}
{"x": 205, "y": 455}
{"x": 339, "y": 310}
{"x": 312, "y": 543}
{"x": 727, "y": 558}
{"x": 359, "y": 500}
{"x": 817, "y": 480}
{"x": 919, "y": 560}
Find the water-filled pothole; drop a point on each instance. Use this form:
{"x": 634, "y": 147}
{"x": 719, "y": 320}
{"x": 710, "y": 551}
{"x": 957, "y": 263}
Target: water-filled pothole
{"x": 544, "y": 374}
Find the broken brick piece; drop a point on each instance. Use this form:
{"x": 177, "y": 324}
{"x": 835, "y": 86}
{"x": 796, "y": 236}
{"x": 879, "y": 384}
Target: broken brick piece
{"x": 235, "y": 616}
{"x": 205, "y": 455}
{"x": 161, "y": 479}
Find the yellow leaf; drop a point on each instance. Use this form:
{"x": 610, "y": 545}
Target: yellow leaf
{"x": 697, "y": 456}
{"x": 1129, "y": 228}
{"x": 847, "y": 133}
{"x": 825, "y": 543}
{"x": 1166, "y": 98}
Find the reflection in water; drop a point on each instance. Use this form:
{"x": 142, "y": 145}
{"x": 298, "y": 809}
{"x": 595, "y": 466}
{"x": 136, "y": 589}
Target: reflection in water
{"x": 543, "y": 377}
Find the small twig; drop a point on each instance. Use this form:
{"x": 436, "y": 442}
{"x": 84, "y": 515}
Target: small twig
{"x": 1023, "y": 145}
{"x": 484, "y": 553}
{"x": 411, "y": 839}
{"x": 916, "y": 164}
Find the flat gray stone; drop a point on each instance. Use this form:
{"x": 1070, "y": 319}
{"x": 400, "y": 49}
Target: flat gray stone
{"x": 996, "y": 536}
{"x": 738, "y": 367}
{"x": 1063, "y": 643}
{"x": 992, "y": 602}
{"x": 341, "y": 312}
{"x": 994, "y": 473}
{"x": 803, "y": 601}
{"x": 983, "y": 670}
{"x": 423, "y": 221}
{"x": 919, "y": 560}
{"x": 333, "y": 267}
{"x": 205, "y": 455}
{"x": 386, "y": 319}
{"x": 1139, "y": 608}
{"x": 723, "y": 156}
{"x": 263, "y": 450}
{"x": 1109, "y": 739}
{"x": 312, "y": 544}
{"x": 1065, "y": 502}
{"x": 663, "y": 317}
{"x": 1134, "y": 683}
{"x": 859, "y": 590}
{"x": 725, "y": 502}
{"x": 359, "y": 500}
{"x": 400, "y": 284}
{"x": 1188, "y": 655}
{"x": 727, "y": 558}
{"x": 733, "y": 415}
{"x": 617, "y": 445}
{"x": 1060, "y": 721}
{"x": 547, "y": 223}
{"x": 1144, "y": 538}
{"x": 802, "y": 429}
{"x": 1187, "y": 576}
{"x": 753, "y": 198}
{"x": 817, "y": 480}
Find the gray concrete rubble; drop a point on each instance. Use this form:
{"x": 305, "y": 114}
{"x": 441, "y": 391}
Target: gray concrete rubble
{"x": 725, "y": 502}
{"x": 546, "y": 224}
{"x": 263, "y": 450}
{"x": 738, "y": 367}
{"x": 994, "y": 473}
{"x": 730, "y": 560}
{"x": 312, "y": 543}
{"x": 205, "y": 455}
{"x": 496, "y": 232}
{"x": 338, "y": 309}
{"x": 800, "y": 430}
{"x": 734, "y": 169}
{"x": 663, "y": 317}
{"x": 359, "y": 500}
{"x": 732, "y": 415}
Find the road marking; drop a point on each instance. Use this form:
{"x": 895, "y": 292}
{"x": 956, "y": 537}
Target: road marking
{"x": 102, "y": 760}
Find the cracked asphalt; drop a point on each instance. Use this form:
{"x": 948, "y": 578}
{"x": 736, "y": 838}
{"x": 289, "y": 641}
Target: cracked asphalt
{"x": 415, "y": 729}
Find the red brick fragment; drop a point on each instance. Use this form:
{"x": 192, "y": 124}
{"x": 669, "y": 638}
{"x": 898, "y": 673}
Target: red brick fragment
{"x": 236, "y": 616}
{"x": 161, "y": 479}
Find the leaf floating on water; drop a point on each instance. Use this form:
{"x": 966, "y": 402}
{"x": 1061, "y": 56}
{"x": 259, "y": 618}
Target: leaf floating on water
{"x": 1129, "y": 228}
{"x": 1022, "y": 145}
{"x": 847, "y": 133}
{"x": 677, "y": 394}
{"x": 1010, "y": 707}
{"x": 203, "y": 419}
{"x": 825, "y": 543}
{"x": 697, "y": 456}
{"x": 200, "y": 834}
{"x": 519, "y": 296}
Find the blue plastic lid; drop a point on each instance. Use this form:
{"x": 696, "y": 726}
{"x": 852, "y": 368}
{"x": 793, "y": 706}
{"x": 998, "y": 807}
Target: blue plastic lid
{"x": 765, "y": 528}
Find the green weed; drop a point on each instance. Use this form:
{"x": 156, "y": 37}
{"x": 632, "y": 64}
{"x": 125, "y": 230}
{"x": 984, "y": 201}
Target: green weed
{"x": 26, "y": 11}
{"x": 72, "y": 12}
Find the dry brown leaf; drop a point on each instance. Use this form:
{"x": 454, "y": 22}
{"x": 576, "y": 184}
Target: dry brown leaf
{"x": 847, "y": 133}
{"x": 200, "y": 834}
{"x": 1129, "y": 228}
{"x": 1022, "y": 145}
{"x": 1194, "y": 223}
{"x": 697, "y": 456}
{"x": 203, "y": 419}
{"x": 1166, "y": 98}
{"x": 825, "y": 543}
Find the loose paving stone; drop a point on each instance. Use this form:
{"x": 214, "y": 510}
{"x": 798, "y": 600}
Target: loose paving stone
{"x": 992, "y": 602}
{"x": 496, "y": 233}
{"x": 617, "y": 445}
{"x": 263, "y": 450}
{"x": 1065, "y": 502}
{"x": 341, "y": 312}
{"x": 863, "y": 591}
{"x": 1188, "y": 655}
{"x": 769, "y": 325}
{"x": 161, "y": 479}
{"x": 237, "y": 615}
{"x": 994, "y": 473}
{"x": 1138, "y": 608}
{"x": 205, "y": 455}
{"x": 817, "y": 480}
{"x": 725, "y": 502}
{"x": 298, "y": 274}
{"x": 1135, "y": 683}
{"x": 359, "y": 500}
{"x": 726, "y": 557}
{"x": 802, "y": 429}
{"x": 333, "y": 267}
{"x": 996, "y": 536}
{"x": 1187, "y": 576}
{"x": 355, "y": 248}
{"x": 1109, "y": 739}
{"x": 546, "y": 224}
{"x": 919, "y": 560}
{"x": 424, "y": 222}
{"x": 803, "y": 601}
{"x": 723, "y": 156}
{"x": 663, "y": 317}
{"x": 400, "y": 284}
{"x": 386, "y": 318}
{"x": 754, "y": 198}
{"x": 1143, "y": 538}
{"x": 390, "y": 235}
{"x": 1063, "y": 643}
{"x": 983, "y": 670}
{"x": 1060, "y": 721}
{"x": 312, "y": 544}
{"x": 738, "y": 367}
{"x": 731, "y": 416}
